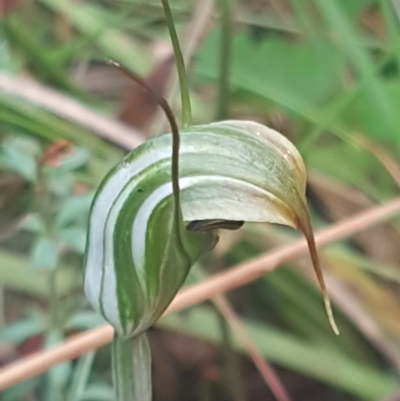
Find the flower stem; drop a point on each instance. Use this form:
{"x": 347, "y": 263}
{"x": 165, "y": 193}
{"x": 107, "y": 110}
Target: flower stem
{"x": 180, "y": 65}
{"x": 225, "y": 10}
{"x": 131, "y": 361}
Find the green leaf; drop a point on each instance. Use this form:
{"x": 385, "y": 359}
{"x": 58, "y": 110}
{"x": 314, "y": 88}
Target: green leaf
{"x": 6, "y": 62}
{"x": 45, "y": 253}
{"x": 357, "y": 168}
{"x": 261, "y": 65}
{"x": 17, "y": 158}
{"x": 37, "y": 122}
{"x": 60, "y": 182}
{"x": 91, "y": 20}
{"x": 361, "y": 115}
{"x": 84, "y": 320}
{"x": 345, "y": 34}
{"x": 75, "y": 237}
{"x": 74, "y": 210}
{"x": 33, "y": 48}
{"x": 22, "y": 330}
{"x": 34, "y": 224}
{"x": 76, "y": 160}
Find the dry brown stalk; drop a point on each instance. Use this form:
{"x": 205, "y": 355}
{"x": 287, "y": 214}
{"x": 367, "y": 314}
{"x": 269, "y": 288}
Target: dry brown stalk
{"x": 71, "y": 110}
{"x": 266, "y": 371}
{"x": 215, "y": 285}
{"x": 241, "y": 333}
{"x": 129, "y": 137}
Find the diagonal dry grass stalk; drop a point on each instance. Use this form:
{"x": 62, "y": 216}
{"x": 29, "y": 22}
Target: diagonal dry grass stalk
{"x": 265, "y": 370}
{"x": 215, "y": 285}
{"x": 240, "y": 331}
{"x": 129, "y": 137}
{"x": 71, "y": 110}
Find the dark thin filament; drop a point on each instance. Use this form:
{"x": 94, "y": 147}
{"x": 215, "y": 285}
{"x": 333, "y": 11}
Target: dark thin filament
{"x": 174, "y": 130}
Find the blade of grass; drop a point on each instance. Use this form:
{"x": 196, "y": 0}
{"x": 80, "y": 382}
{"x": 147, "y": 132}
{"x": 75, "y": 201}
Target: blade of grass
{"x": 81, "y": 376}
{"x": 36, "y": 52}
{"x": 380, "y": 154}
{"x": 323, "y": 119}
{"x": 290, "y": 101}
{"x": 106, "y": 20}
{"x": 387, "y": 272}
{"x": 363, "y": 319}
{"x": 346, "y": 35}
{"x": 112, "y": 42}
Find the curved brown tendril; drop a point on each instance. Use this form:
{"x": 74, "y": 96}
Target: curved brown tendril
{"x": 174, "y": 129}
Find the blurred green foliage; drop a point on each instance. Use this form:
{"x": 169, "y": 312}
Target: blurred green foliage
{"x": 326, "y": 73}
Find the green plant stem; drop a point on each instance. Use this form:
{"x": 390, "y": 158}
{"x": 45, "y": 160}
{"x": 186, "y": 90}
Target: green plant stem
{"x": 131, "y": 366}
{"x": 225, "y": 59}
{"x": 81, "y": 376}
{"x": 2, "y": 307}
{"x": 231, "y": 372}
{"x": 180, "y": 65}
{"x": 41, "y": 199}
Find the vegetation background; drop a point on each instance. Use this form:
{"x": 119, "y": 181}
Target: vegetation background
{"x": 324, "y": 73}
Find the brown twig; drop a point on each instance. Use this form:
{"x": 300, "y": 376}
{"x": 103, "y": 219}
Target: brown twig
{"x": 215, "y": 285}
